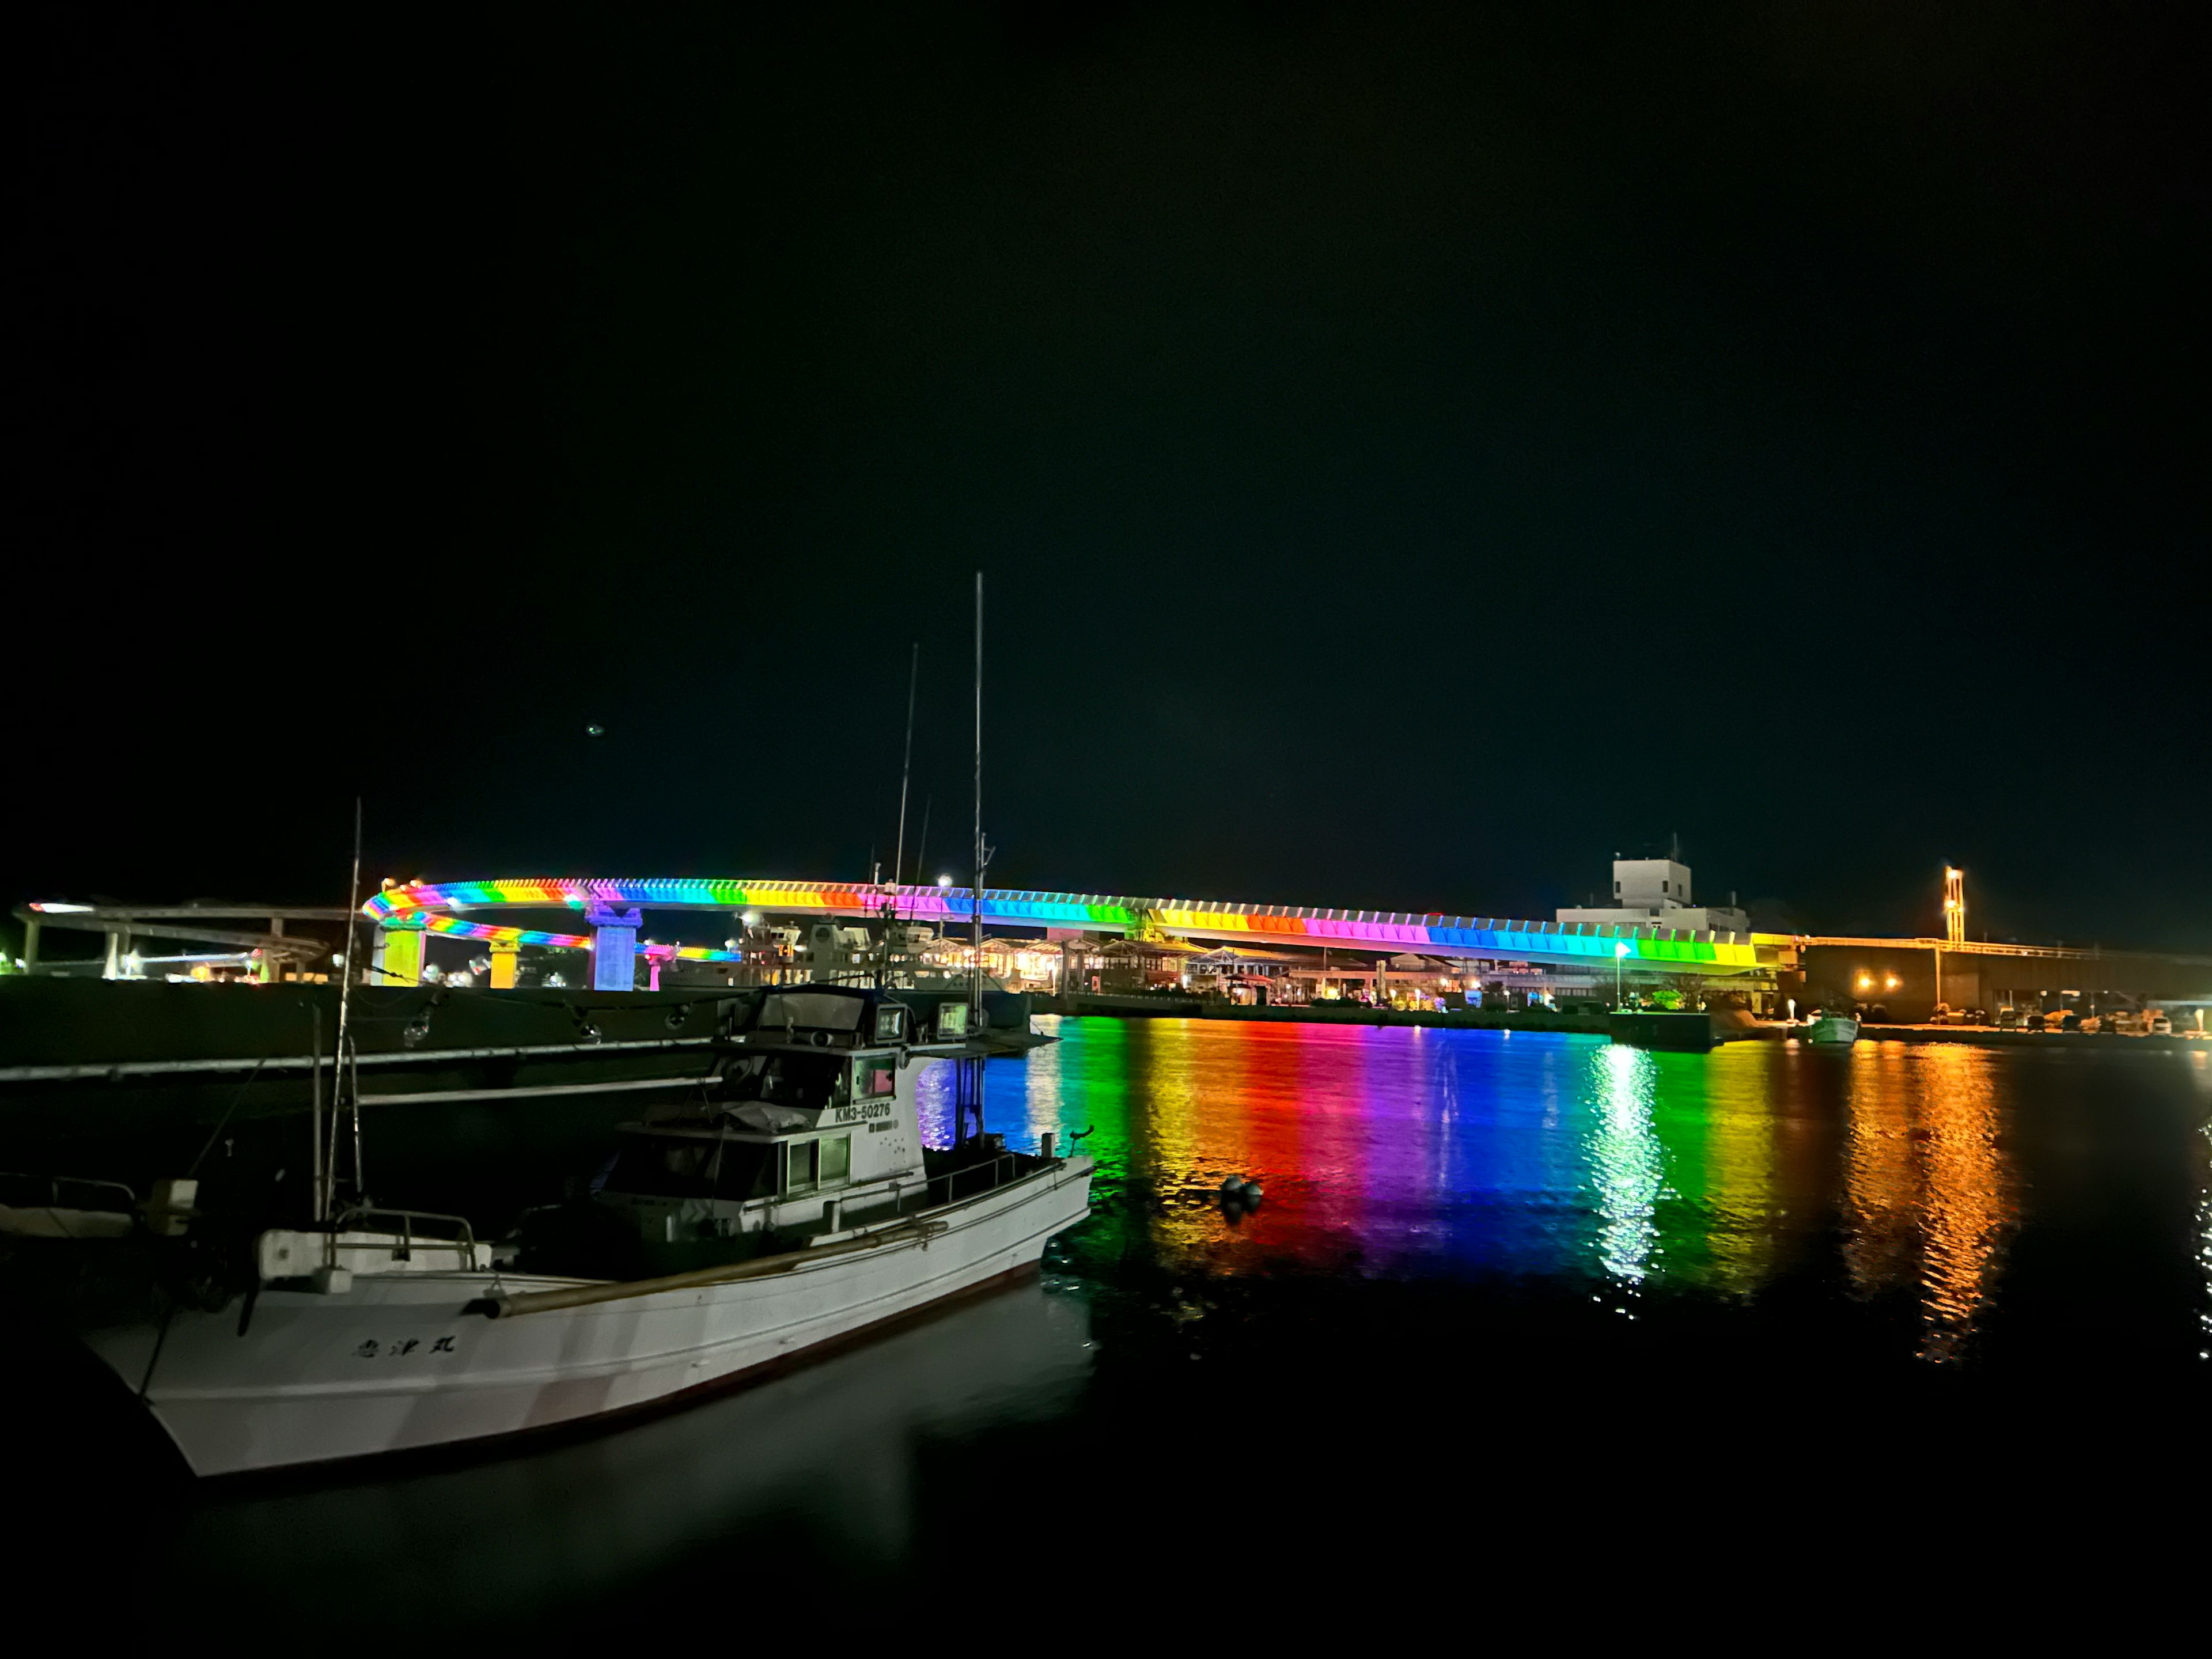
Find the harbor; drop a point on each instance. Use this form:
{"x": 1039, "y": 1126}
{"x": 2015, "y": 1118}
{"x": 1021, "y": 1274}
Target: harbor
{"x": 746, "y": 1206}
{"x": 1112, "y": 824}
{"x": 1888, "y": 1239}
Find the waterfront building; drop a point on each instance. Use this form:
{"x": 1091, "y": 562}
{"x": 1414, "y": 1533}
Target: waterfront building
{"x": 1646, "y": 891}
{"x": 1240, "y": 975}
{"x": 1126, "y": 965}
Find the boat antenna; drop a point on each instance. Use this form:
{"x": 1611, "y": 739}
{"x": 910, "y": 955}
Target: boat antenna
{"x": 328, "y": 1175}
{"x": 982, "y": 858}
{"x": 906, "y": 771}
{"x": 975, "y": 904}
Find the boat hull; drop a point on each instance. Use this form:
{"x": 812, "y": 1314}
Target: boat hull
{"x": 1831, "y": 1032}
{"x": 404, "y": 1362}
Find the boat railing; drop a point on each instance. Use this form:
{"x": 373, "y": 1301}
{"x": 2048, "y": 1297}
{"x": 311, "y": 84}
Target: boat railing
{"x": 463, "y": 1245}
{"x": 974, "y": 1179}
{"x": 16, "y": 1191}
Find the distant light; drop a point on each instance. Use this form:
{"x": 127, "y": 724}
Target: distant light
{"x": 595, "y": 731}
{"x": 751, "y": 918}
{"x": 1621, "y": 949}
{"x": 945, "y": 881}
{"x": 64, "y": 909}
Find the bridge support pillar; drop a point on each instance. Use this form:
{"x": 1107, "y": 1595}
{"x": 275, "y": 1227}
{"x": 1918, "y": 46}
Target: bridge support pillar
{"x": 613, "y": 948}
{"x": 504, "y": 961}
{"x": 397, "y": 956}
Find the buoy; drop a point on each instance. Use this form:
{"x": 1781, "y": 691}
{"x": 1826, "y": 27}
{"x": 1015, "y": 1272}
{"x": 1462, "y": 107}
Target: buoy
{"x": 1233, "y": 1185}
{"x": 1253, "y": 1192}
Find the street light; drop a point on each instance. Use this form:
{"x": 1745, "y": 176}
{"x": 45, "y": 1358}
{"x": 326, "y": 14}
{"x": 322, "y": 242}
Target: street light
{"x": 1620, "y": 950}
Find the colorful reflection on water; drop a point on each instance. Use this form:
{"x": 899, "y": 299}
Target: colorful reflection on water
{"x": 1411, "y": 1153}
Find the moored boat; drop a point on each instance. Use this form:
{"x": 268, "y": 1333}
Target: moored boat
{"x": 1832, "y": 1030}
{"x": 787, "y": 1203}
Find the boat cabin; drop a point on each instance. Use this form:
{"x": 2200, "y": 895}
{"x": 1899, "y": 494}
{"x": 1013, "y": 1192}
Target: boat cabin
{"x": 808, "y": 1124}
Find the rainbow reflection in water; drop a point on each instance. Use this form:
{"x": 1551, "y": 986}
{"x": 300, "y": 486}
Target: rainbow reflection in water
{"x": 1416, "y": 1153}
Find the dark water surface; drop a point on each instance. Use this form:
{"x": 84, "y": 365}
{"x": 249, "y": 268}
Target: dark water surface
{"x": 1503, "y": 1292}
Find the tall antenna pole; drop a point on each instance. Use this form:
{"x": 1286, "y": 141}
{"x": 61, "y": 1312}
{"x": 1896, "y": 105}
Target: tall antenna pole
{"x": 906, "y": 771}
{"x": 976, "y": 907}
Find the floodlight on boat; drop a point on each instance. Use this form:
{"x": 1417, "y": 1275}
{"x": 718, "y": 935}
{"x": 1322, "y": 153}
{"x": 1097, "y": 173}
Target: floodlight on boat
{"x": 55, "y": 908}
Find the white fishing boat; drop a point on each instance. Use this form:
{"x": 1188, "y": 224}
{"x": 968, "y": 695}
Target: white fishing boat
{"x": 1832, "y": 1030}
{"x": 790, "y": 1204}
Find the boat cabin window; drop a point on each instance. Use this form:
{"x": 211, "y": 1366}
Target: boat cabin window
{"x": 810, "y": 1011}
{"x": 808, "y": 1164}
{"x": 875, "y": 1077}
{"x": 806, "y": 1082}
{"x": 664, "y": 1166}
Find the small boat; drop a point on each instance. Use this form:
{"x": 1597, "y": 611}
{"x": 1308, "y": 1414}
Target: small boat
{"x": 790, "y": 1204}
{"x": 1832, "y": 1030}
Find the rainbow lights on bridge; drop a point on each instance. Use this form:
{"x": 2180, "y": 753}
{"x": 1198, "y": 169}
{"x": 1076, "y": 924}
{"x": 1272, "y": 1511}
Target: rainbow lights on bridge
{"x": 442, "y": 908}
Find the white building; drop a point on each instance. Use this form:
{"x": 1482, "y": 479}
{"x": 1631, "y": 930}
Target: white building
{"x": 1648, "y": 893}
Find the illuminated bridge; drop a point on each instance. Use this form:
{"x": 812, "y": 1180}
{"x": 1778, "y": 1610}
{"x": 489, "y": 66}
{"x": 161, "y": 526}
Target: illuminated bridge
{"x": 613, "y": 910}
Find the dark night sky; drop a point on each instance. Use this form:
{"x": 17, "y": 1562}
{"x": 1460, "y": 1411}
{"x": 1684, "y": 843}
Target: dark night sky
{"x": 1414, "y": 455}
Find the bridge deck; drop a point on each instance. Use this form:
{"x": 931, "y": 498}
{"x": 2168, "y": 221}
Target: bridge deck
{"x": 444, "y": 908}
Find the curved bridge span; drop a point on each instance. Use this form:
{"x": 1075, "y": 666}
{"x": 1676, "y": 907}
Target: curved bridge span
{"x": 451, "y": 908}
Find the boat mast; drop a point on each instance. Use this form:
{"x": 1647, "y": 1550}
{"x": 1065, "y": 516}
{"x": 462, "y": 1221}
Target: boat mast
{"x": 975, "y": 904}
{"x": 888, "y": 908}
{"x": 906, "y": 770}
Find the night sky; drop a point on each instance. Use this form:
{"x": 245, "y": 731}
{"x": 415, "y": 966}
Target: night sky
{"x": 1414, "y": 455}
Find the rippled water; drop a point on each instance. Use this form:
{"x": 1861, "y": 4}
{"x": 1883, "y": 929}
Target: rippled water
{"x": 1519, "y": 1268}
{"x": 1894, "y": 1173}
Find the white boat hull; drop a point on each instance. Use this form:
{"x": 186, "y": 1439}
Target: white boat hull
{"x": 1830, "y": 1031}
{"x": 397, "y": 1362}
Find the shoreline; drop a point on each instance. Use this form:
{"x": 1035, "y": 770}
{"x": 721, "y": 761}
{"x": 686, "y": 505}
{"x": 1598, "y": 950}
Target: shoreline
{"x": 1095, "y": 1004}
{"x": 1098, "y": 1005}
